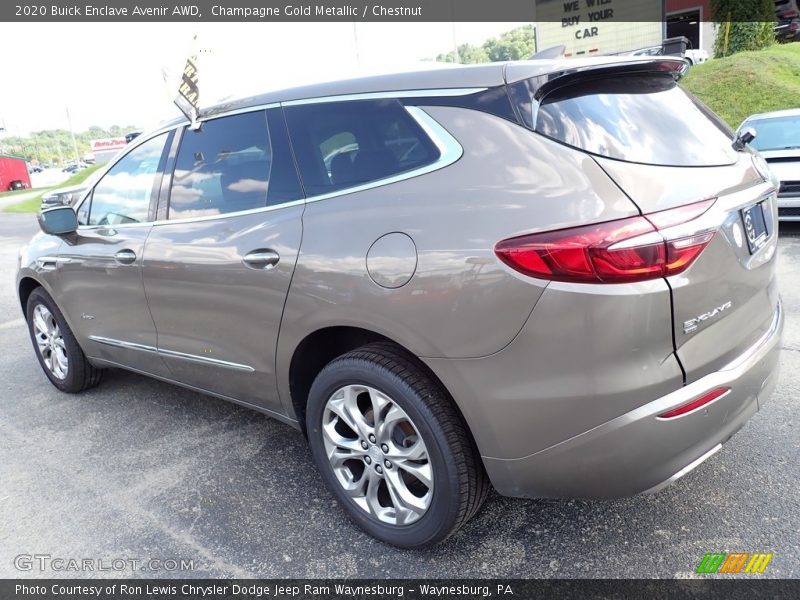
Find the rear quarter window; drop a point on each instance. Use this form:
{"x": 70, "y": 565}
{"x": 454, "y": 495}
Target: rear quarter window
{"x": 339, "y": 145}
{"x": 636, "y": 118}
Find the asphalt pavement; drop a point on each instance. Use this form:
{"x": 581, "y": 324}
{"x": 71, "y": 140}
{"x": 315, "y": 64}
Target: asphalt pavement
{"x": 138, "y": 470}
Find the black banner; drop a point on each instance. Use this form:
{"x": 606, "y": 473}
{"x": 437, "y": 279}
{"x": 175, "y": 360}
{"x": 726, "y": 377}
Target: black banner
{"x": 591, "y": 11}
{"x": 223, "y": 589}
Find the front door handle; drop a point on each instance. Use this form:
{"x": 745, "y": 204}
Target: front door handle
{"x": 125, "y": 257}
{"x": 261, "y": 259}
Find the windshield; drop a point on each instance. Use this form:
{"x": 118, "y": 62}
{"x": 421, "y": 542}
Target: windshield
{"x": 635, "y": 118}
{"x": 778, "y": 133}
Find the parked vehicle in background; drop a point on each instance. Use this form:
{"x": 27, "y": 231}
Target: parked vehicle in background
{"x": 17, "y": 184}
{"x": 778, "y": 141}
{"x": 788, "y": 30}
{"x": 14, "y": 173}
{"x": 66, "y": 196}
{"x": 556, "y": 277}
{"x": 787, "y": 9}
{"x": 129, "y": 137}
{"x": 693, "y": 56}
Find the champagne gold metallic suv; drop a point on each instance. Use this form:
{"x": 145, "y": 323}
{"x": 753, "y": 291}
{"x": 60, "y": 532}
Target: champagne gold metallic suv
{"x": 554, "y": 277}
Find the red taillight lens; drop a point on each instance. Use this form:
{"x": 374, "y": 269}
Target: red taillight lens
{"x": 694, "y": 404}
{"x": 627, "y": 250}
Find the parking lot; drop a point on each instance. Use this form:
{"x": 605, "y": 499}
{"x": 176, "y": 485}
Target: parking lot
{"x": 139, "y": 469}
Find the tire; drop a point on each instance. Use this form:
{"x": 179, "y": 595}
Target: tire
{"x": 74, "y": 373}
{"x": 366, "y": 378}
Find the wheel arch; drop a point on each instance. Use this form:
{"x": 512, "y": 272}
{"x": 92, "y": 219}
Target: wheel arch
{"x": 320, "y": 347}
{"x": 24, "y": 290}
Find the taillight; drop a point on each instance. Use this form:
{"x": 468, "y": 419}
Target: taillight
{"x": 627, "y": 250}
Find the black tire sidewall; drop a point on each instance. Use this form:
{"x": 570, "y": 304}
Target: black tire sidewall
{"x": 73, "y": 381}
{"x": 440, "y": 517}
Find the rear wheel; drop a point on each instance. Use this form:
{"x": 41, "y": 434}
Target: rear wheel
{"x": 392, "y": 448}
{"x": 59, "y": 354}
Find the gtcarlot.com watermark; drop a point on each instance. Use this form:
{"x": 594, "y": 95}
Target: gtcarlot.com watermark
{"x": 48, "y": 562}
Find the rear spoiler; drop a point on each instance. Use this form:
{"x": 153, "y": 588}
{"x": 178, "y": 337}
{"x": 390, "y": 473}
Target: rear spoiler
{"x": 540, "y": 83}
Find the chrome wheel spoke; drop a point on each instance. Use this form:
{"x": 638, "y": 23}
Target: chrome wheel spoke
{"x": 357, "y": 488}
{"x": 40, "y": 320}
{"x": 393, "y": 416}
{"x": 415, "y": 451}
{"x": 407, "y": 506}
{"x": 374, "y": 506}
{"x": 338, "y": 440}
{"x": 41, "y": 343}
{"x": 50, "y": 342}
{"x": 377, "y": 455}
{"x": 422, "y": 472}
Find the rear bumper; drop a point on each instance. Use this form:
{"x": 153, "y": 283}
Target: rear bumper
{"x": 638, "y": 452}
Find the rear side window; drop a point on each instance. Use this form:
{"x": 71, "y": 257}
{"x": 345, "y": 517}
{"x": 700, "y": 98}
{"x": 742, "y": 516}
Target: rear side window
{"x": 635, "y": 118}
{"x": 233, "y": 164}
{"x": 345, "y": 144}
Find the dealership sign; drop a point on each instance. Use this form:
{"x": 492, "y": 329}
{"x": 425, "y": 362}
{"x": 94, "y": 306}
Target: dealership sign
{"x": 108, "y": 144}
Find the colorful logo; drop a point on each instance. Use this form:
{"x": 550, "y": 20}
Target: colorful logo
{"x": 734, "y": 562}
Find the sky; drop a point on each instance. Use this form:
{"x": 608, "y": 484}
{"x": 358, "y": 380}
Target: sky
{"x": 112, "y": 73}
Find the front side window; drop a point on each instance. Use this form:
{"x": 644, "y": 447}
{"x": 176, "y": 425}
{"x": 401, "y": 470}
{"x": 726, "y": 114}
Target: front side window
{"x": 345, "y": 144}
{"x": 224, "y": 167}
{"x": 123, "y": 194}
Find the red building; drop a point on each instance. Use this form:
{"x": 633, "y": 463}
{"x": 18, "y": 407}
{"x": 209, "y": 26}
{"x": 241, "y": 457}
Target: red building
{"x": 13, "y": 169}
{"x": 692, "y": 19}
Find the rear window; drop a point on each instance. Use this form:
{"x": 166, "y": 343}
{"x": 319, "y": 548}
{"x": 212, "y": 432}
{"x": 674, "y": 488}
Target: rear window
{"x": 345, "y": 144}
{"x": 635, "y": 118}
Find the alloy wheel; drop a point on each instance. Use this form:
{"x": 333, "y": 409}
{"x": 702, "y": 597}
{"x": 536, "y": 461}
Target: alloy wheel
{"x": 377, "y": 455}
{"x": 50, "y": 341}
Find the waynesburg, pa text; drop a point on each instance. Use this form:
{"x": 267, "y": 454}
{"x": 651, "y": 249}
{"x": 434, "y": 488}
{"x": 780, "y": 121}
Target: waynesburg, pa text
{"x": 252, "y": 590}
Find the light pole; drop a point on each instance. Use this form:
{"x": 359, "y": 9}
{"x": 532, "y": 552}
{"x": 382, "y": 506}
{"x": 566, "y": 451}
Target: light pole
{"x": 72, "y": 133}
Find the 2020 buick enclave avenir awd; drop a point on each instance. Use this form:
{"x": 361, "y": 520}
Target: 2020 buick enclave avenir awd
{"x": 554, "y": 277}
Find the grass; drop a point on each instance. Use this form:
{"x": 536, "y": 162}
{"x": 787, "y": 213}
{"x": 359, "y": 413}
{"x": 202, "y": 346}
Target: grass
{"x": 7, "y": 194}
{"x": 746, "y": 83}
{"x": 33, "y": 204}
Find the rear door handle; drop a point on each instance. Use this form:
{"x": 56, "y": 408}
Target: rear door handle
{"x": 125, "y": 257}
{"x": 261, "y": 259}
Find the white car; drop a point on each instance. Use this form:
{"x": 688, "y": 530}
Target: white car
{"x": 778, "y": 141}
{"x": 695, "y": 57}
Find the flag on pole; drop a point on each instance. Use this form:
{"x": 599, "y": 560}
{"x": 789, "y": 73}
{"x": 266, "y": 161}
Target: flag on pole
{"x": 188, "y": 99}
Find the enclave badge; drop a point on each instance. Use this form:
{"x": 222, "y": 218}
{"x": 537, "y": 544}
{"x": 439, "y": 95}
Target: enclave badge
{"x": 692, "y": 324}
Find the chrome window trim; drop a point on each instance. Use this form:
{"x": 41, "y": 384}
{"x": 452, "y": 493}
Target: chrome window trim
{"x": 172, "y": 353}
{"x": 448, "y": 92}
{"x": 450, "y": 150}
{"x": 240, "y": 213}
{"x": 235, "y": 111}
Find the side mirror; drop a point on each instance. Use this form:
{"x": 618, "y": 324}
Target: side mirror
{"x": 58, "y": 221}
{"x": 744, "y": 137}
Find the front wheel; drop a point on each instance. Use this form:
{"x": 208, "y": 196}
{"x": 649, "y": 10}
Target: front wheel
{"x": 59, "y": 354}
{"x": 392, "y": 448}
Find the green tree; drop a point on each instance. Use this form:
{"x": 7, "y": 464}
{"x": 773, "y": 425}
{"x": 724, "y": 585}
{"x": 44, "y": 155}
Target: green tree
{"x": 743, "y": 25}
{"x": 517, "y": 44}
{"x": 51, "y": 145}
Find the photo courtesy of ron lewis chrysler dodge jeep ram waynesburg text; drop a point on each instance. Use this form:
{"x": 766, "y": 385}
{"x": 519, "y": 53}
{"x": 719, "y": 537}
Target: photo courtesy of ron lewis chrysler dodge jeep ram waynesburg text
{"x": 509, "y": 275}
